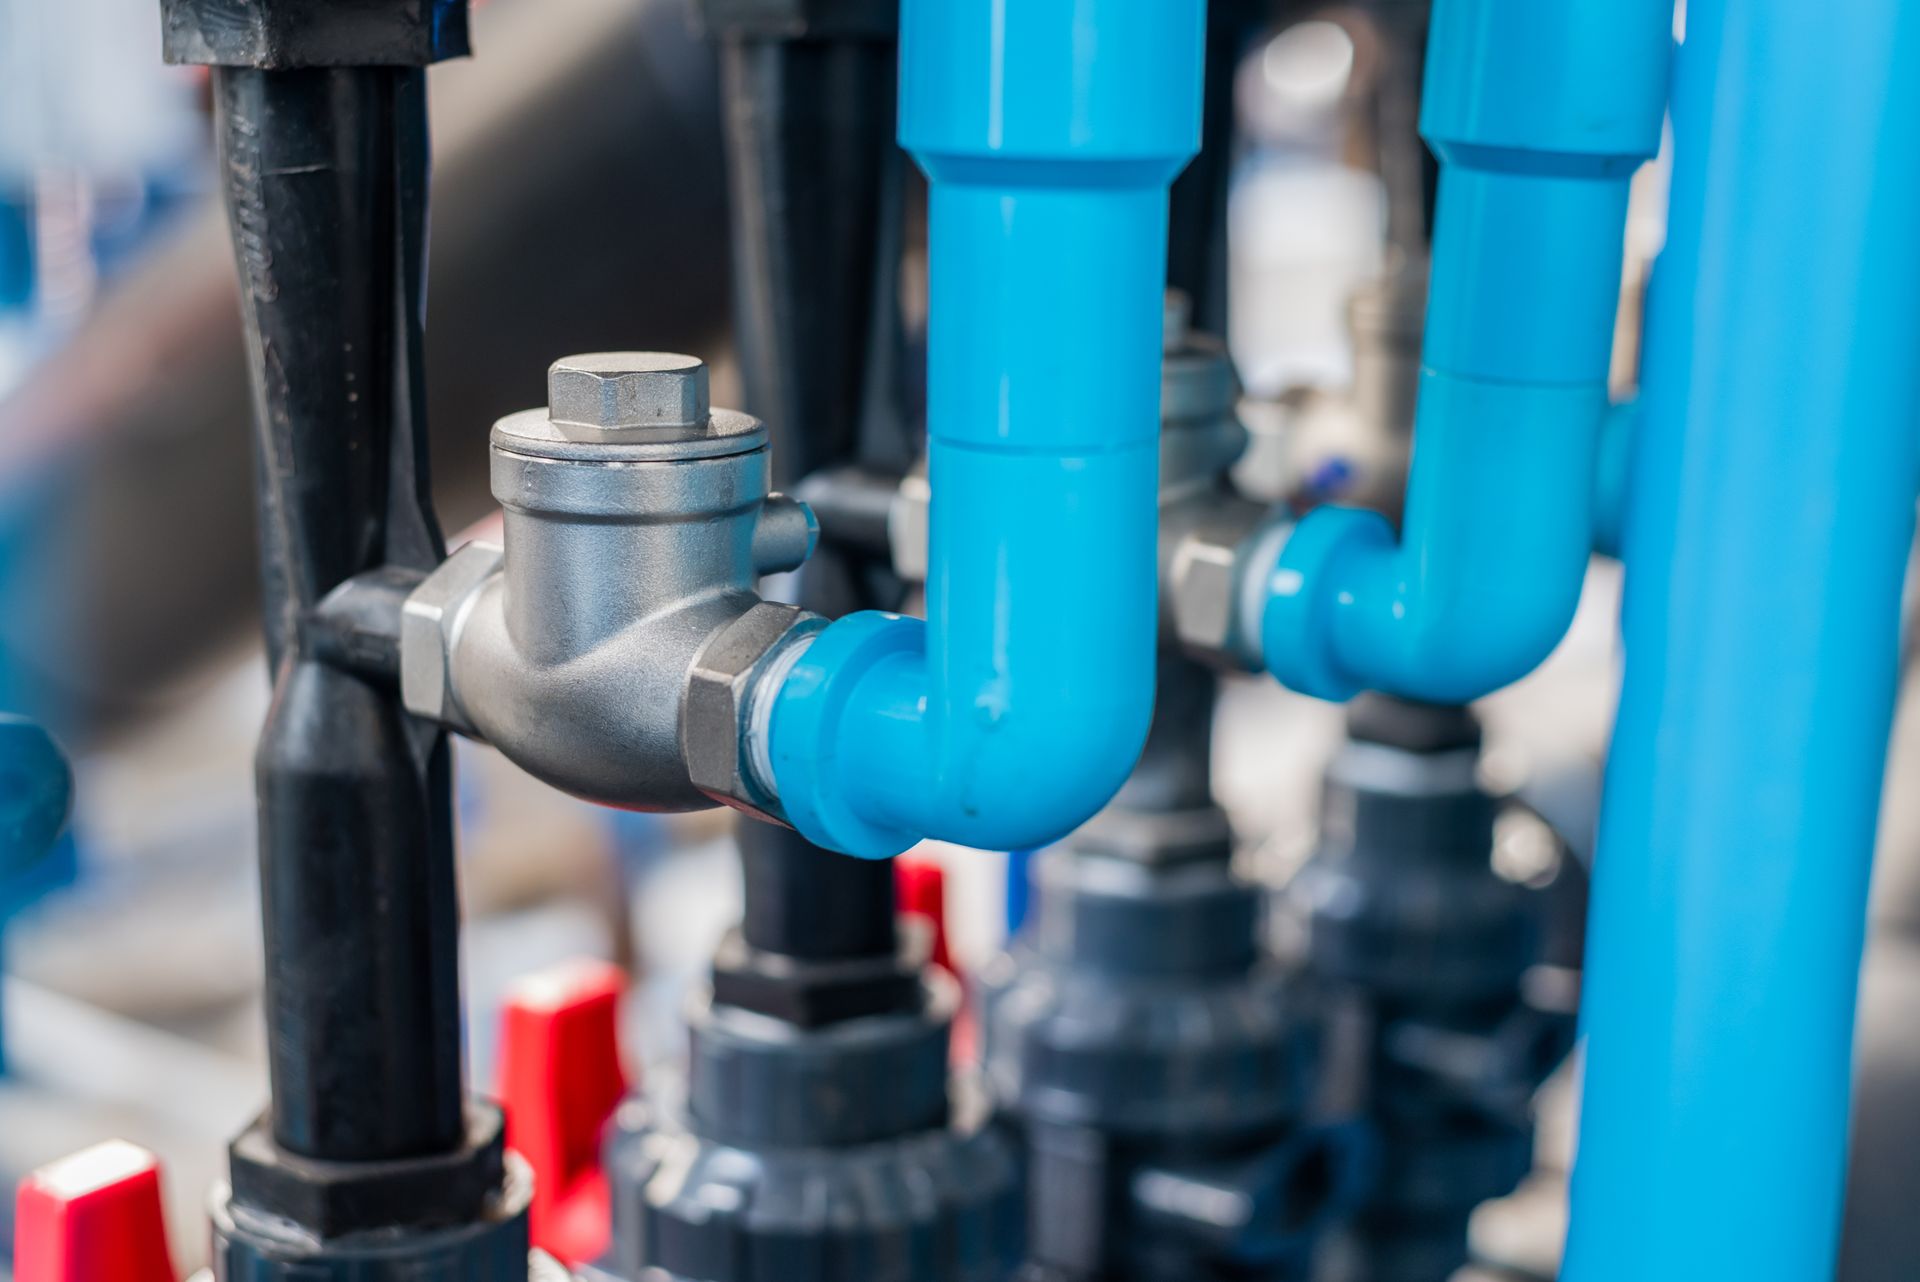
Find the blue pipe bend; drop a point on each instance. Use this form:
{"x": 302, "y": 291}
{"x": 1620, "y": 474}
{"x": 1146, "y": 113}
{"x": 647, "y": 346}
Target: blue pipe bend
{"x": 1018, "y": 711}
{"x": 1049, "y": 131}
{"x": 1540, "y": 114}
{"x": 1499, "y": 523}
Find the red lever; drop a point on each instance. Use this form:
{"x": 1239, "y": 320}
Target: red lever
{"x": 920, "y": 890}
{"x": 93, "y": 1217}
{"x": 560, "y": 1080}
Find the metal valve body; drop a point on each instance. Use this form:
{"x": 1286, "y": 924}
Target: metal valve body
{"x": 638, "y": 521}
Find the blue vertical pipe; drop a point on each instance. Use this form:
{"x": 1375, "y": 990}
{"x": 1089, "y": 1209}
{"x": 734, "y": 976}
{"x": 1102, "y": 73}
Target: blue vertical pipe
{"x": 1774, "y": 480}
{"x": 1049, "y": 131}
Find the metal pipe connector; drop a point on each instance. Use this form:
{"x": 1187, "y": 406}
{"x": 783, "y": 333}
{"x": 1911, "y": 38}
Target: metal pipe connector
{"x": 1206, "y": 528}
{"x": 608, "y": 646}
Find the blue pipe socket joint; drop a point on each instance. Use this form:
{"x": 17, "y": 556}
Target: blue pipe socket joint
{"x": 1049, "y": 131}
{"x": 1540, "y": 115}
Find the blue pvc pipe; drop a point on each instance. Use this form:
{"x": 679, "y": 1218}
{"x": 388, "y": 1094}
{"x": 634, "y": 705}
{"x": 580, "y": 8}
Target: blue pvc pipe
{"x": 1611, "y": 492}
{"x": 1049, "y": 131}
{"x": 1773, "y": 510}
{"x": 1540, "y": 113}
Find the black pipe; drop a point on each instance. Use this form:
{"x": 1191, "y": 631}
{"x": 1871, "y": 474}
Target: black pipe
{"x": 1197, "y": 213}
{"x": 813, "y": 905}
{"x": 815, "y": 186}
{"x": 1175, "y": 770}
{"x": 325, "y": 177}
{"x": 817, "y": 193}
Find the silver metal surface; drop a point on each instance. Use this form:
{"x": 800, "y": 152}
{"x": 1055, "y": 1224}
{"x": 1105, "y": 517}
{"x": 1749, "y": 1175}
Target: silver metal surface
{"x": 715, "y": 717}
{"x": 636, "y": 529}
{"x": 628, "y": 390}
{"x": 430, "y": 629}
{"x": 785, "y": 535}
{"x": 1204, "y": 524}
{"x": 1205, "y": 561}
{"x": 1352, "y": 445}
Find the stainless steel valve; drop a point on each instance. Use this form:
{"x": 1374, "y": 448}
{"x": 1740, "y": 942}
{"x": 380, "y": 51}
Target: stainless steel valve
{"x": 601, "y": 648}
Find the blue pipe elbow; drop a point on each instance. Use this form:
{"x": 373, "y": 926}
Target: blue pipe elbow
{"x": 1540, "y": 114}
{"x": 1049, "y": 131}
{"x": 1486, "y": 578}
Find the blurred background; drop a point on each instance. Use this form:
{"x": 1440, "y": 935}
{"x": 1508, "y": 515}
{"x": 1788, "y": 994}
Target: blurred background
{"x": 579, "y": 203}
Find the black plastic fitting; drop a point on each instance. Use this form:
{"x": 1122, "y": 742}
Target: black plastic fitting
{"x": 814, "y": 993}
{"x": 356, "y": 627}
{"x": 337, "y": 1199}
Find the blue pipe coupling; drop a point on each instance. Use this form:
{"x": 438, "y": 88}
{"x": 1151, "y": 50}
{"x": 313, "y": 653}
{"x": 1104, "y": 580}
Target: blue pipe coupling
{"x": 1049, "y": 131}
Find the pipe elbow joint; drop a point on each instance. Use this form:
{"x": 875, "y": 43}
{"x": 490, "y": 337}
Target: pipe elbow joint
{"x": 1345, "y": 611}
{"x": 1341, "y": 615}
{"x": 864, "y": 763}
{"x": 604, "y": 723}
{"x": 1021, "y": 776}
{"x": 1482, "y": 583}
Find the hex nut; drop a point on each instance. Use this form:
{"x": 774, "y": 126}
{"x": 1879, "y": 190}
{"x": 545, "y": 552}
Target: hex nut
{"x": 1205, "y": 585}
{"x": 1201, "y": 591}
{"x": 713, "y": 716}
{"x": 337, "y": 1198}
{"x": 628, "y": 390}
{"x": 430, "y": 625}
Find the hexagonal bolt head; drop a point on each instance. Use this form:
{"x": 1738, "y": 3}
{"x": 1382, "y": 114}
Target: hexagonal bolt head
{"x": 1206, "y": 586}
{"x": 1201, "y": 592}
{"x": 617, "y": 391}
{"x": 430, "y": 626}
{"x": 713, "y": 719}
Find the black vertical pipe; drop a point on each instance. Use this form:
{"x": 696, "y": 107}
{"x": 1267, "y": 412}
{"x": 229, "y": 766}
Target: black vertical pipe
{"x": 816, "y": 183}
{"x": 812, "y": 904}
{"x": 1175, "y": 770}
{"x": 816, "y": 204}
{"x": 325, "y": 176}
{"x": 1197, "y": 213}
